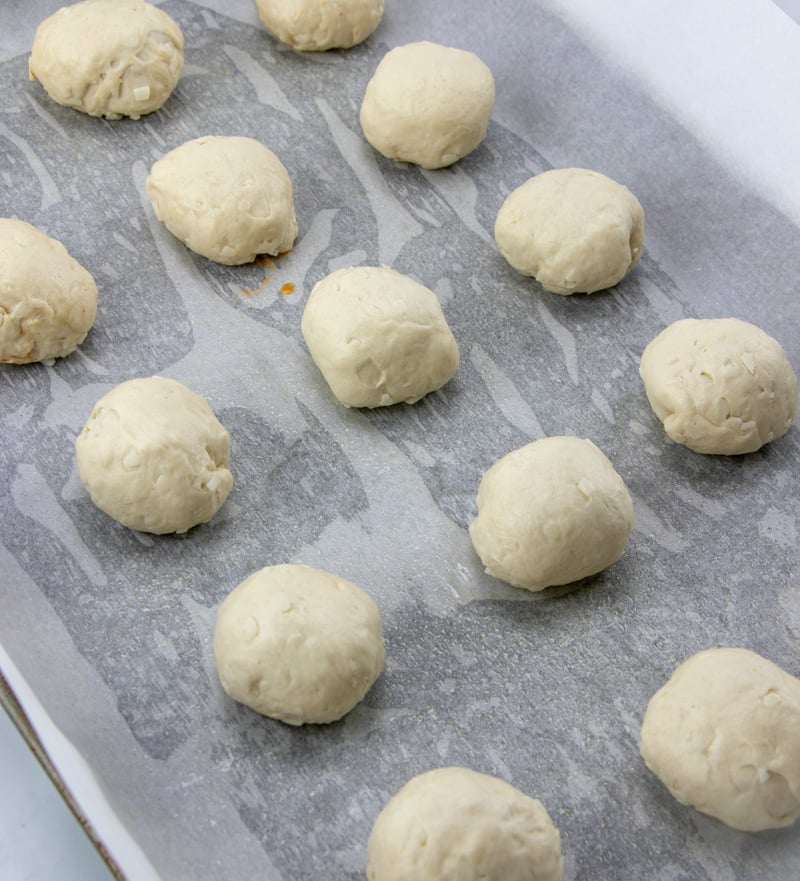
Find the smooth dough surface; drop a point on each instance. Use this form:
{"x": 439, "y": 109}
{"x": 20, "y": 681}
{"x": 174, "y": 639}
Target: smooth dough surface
{"x": 298, "y": 644}
{"x": 427, "y": 104}
{"x": 227, "y": 198}
{"x": 551, "y": 512}
{"x": 153, "y": 456}
{"x": 723, "y": 735}
{"x": 573, "y": 230}
{"x": 109, "y": 58}
{"x": 48, "y": 301}
{"x": 317, "y": 25}
{"x": 454, "y": 824}
{"x": 378, "y": 337}
{"x": 719, "y": 385}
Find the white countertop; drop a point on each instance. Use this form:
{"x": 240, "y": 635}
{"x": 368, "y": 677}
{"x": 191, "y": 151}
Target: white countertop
{"x": 41, "y": 838}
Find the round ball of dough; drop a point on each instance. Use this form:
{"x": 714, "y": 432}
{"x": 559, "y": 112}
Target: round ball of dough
{"x": 154, "y": 457}
{"x": 48, "y": 301}
{"x": 719, "y": 385}
{"x": 316, "y": 25}
{"x": 378, "y": 337}
{"x": 723, "y": 735}
{"x": 454, "y": 824}
{"x": 298, "y": 644}
{"x": 227, "y": 198}
{"x": 573, "y": 230}
{"x": 109, "y": 58}
{"x": 428, "y": 104}
{"x": 551, "y": 512}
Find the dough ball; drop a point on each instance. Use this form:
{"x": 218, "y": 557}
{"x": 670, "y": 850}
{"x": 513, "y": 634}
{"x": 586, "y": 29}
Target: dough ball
{"x": 316, "y": 25}
{"x": 378, "y": 337}
{"x": 109, "y": 58}
{"x": 428, "y": 104}
{"x": 551, "y": 512}
{"x": 48, "y": 300}
{"x": 723, "y": 735}
{"x": 454, "y": 824}
{"x": 154, "y": 457}
{"x": 298, "y": 644}
{"x": 573, "y": 230}
{"x": 719, "y": 385}
{"x": 227, "y": 198}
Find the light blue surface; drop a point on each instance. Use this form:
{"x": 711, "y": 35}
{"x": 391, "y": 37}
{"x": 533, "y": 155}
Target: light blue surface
{"x": 41, "y": 840}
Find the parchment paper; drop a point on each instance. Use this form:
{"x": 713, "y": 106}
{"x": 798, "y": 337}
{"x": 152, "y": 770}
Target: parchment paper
{"x": 112, "y": 629}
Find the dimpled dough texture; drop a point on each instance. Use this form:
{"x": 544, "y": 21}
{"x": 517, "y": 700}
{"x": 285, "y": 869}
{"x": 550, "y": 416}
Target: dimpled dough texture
{"x": 723, "y": 735}
{"x": 298, "y": 644}
{"x": 719, "y": 385}
{"x": 551, "y": 512}
{"x": 227, "y": 198}
{"x": 154, "y": 457}
{"x": 428, "y": 104}
{"x": 109, "y": 58}
{"x": 317, "y": 25}
{"x": 378, "y": 337}
{"x": 573, "y": 230}
{"x": 48, "y": 300}
{"x": 454, "y": 824}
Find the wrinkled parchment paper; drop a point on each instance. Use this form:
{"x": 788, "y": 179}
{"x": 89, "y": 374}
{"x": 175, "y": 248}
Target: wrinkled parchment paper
{"x": 112, "y": 629}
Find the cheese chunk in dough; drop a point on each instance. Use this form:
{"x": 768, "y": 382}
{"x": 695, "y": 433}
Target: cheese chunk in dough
{"x": 317, "y": 25}
{"x": 226, "y": 198}
{"x": 428, "y": 104}
{"x": 455, "y": 824}
{"x": 110, "y": 58}
{"x": 723, "y": 735}
{"x": 719, "y": 385}
{"x": 298, "y": 644}
{"x": 153, "y": 456}
{"x": 551, "y": 512}
{"x": 573, "y": 230}
{"x": 378, "y": 337}
{"x": 48, "y": 301}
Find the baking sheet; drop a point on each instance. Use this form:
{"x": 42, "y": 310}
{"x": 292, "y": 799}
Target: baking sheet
{"x": 112, "y": 629}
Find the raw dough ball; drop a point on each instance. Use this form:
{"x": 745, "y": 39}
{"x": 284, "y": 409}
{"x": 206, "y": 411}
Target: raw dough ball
{"x": 298, "y": 644}
{"x": 428, "y": 104}
{"x": 316, "y": 25}
{"x": 723, "y": 735}
{"x": 378, "y": 337}
{"x": 454, "y": 824}
{"x": 551, "y": 512}
{"x": 154, "y": 457}
{"x": 48, "y": 300}
{"x": 719, "y": 385}
{"x": 227, "y": 198}
{"x": 573, "y": 230}
{"x": 108, "y": 58}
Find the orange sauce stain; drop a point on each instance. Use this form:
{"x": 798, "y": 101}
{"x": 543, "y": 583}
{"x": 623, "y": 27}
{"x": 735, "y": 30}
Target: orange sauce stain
{"x": 287, "y": 289}
{"x": 251, "y": 292}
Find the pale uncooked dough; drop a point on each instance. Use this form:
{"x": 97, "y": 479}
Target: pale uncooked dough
{"x": 154, "y": 457}
{"x": 551, "y": 512}
{"x": 298, "y": 644}
{"x": 723, "y": 735}
{"x": 573, "y": 230}
{"x": 454, "y": 824}
{"x": 428, "y": 104}
{"x": 227, "y": 198}
{"x": 317, "y": 25}
{"x": 378, "y": 337}
{"x": 48, "y": 301}
{"x": 109, "y": 58}
{"x": 719, "y": 385}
